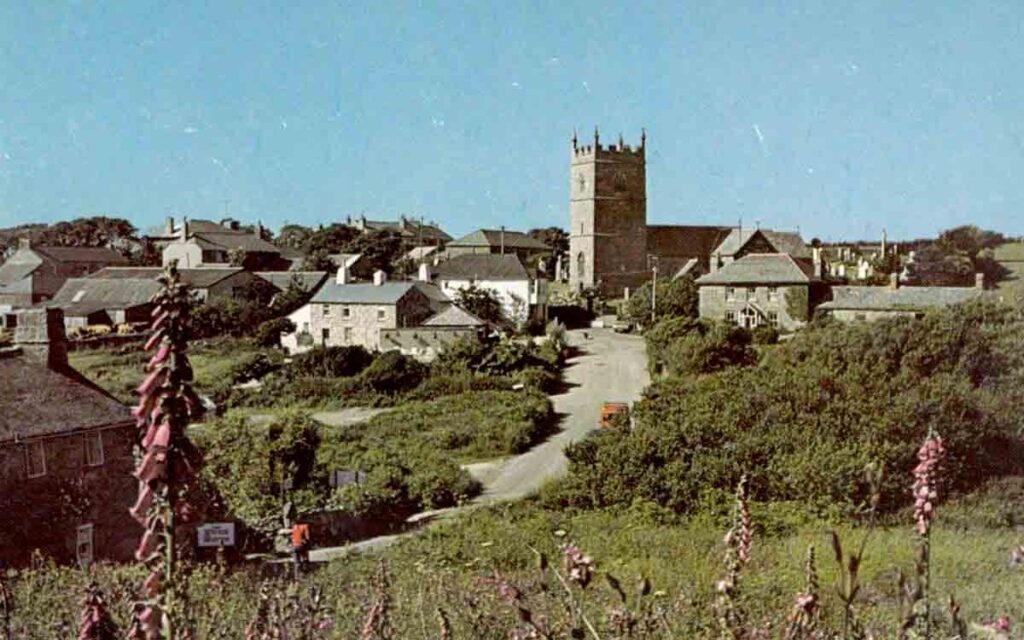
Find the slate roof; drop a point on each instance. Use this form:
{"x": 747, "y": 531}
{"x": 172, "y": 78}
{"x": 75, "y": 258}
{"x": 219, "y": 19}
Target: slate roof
{"x": 362, "y": 292}
{"x": 202, "y": 278}
{"x": 492, "y": 238}
{"x": 438, "y": 299}
{"x": 308, "y": 280}
{"x": 39, "y": 401}
{"x": 408, "y": 229}
{"x": 904, "y": 298}
{"x": 419, "y": 253}
{"x": 81, "y": 296}
{"x": 1009, "y": 252}
{"x": 13, "y": 272}
{"x": 782, "y": 241}
{"x": 482, "y": 266}
{"x": 684, "y": 241}
{"x": 761, "y": 268}
{"x": 454, "y": 316}
{"x": 93, "y": 255}
{"x": 232, "y": 239}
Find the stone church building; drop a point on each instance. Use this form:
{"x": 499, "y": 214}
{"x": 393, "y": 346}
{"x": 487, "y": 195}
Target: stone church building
{"x": 611, "y": 246}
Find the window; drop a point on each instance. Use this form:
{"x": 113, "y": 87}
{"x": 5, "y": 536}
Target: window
{"x": 325, "y": 309}
{"x": 325, "y": 334}
{"x": 93, "y": 449}
{"x": 305, "y": 327}
{"x": 382, "y": 313}
{"x": 83, "y": 547}
{"x": 347, "y": 335}
{"x": 773, "y": 318}
{"x": 730, "y": 316}
{"x": 35, "y": 459}
{"x": 860, "y": 316}
{"x": 730, "y": 293}
{"x": 345, "y": 312}
{"x": 78, "y": 296}
{"x": 773, "y": 294}
{"x": 751, "y": 293}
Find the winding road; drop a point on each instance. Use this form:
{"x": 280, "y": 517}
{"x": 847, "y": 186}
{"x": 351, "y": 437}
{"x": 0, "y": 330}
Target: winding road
{"x": 607, "y": 367}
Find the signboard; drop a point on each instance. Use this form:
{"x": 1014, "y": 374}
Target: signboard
{"x": 217, "y": 534}
{"x": 343, "y": 477}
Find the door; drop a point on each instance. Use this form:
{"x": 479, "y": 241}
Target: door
{"x": 748, "y": 318}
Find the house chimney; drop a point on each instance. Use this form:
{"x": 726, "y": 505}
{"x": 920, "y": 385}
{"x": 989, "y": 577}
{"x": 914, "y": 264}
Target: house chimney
{"x": 502, "y": 239}
{"x": 184, "y": 229}
{"x": 818, "y": 265}
{"x": 169, "y": 226}
{"x": 342, "y": 277}
{"x": 424, "y": 272}
{"x": 979, "y": 281}
{"x": 24, "y": 242}
{"x": 259, "y": 229}
{"x": 379, "y": 278}
{"x": 40, "y": 334}
{"x": 894, "y": 280}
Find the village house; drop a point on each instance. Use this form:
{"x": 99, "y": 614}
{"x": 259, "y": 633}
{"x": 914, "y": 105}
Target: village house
{"x": 428, "y": 340}
{"x": 414, "y": 233}
{"x": 497, "y": 241}
{"x": 206, "y": 284}
{"x": 343, "y": 312}
{"x": 758, "y": 289}
{"x": 65, "y": 454}
{"x": 852, "y": 303}
{"x": 203, "y": 243}
{"x": 105, "y": 301}
{"x": 522, "y": 292}
{"x": 34, "y": 273}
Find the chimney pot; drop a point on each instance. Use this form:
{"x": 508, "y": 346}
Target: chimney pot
{"x": 169, "y": 226}
{"x": 379, "y": 278}
{"x": 342, "y": 276}
{"x": 424, "y": 272}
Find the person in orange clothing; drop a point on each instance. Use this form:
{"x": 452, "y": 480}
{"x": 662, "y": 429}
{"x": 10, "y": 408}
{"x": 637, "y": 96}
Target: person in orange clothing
{"x": 300, "y": 545}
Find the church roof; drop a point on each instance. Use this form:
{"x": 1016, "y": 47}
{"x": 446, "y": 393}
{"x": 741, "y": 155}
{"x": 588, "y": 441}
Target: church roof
{"x": 493, "y": 238}
{"x": 684, "y": 241}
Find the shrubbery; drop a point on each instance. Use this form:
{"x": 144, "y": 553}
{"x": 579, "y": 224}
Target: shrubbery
{"x": 331, "y": 362}
{"x": 805, "y": 422}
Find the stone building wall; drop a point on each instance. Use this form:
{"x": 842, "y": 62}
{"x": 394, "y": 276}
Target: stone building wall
{"x": 716, "y": 303}
{"x": 45, "y": 512}
{"x": 361, "y": 324}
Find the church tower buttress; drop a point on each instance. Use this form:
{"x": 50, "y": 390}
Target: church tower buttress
{"x": 608, "y": 216}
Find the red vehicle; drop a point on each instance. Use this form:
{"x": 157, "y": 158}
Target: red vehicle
{"x": 610, "y": 410}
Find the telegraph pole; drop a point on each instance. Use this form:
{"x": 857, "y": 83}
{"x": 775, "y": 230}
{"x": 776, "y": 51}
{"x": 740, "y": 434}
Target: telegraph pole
{"x": 653, "y": 260}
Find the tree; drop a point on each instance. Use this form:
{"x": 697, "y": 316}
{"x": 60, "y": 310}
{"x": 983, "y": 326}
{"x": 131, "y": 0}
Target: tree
{"x": 969, "y": 240}
{"x": 675, "y": 299}
{"x": 380, "y": 249}
{"x": 332, "y": 239}
{"x": 293, "y": 236}
{"x": 483, "y": 303}
{"x": 95, "y": 231}
{"x": 554, "y": 237}
{"x": 934, "y": 265}
{"x": 956, "y": 256}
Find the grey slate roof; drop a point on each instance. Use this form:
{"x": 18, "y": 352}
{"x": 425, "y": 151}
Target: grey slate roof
{"x": 482, "y": 266}
{"x": 782, "y": 241}
{"x": 202, "y": 278}
{"x": 492, "y": 238}
{"x": 38, "y": 401}
{"x": 228, "y": 239}
{"x": 454, "y": 316}
{"x": 760, "y": 268}
{"x": 80, "y": 296}
{"x": 684, "y": 241}
{"x": 308, "y": 280}
{"x": 904, "y": 298}
{"x": 362, "y": 292}
{"x": 101, "y": 255}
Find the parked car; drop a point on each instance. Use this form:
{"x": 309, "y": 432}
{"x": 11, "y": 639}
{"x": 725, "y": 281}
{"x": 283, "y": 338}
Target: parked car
{"x": 610, "y": 411}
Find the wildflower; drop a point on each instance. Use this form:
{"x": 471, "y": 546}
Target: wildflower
{"x": 929, "y": 457}
{"x": 96, "y": 621}
{"x": 577, "y": 565}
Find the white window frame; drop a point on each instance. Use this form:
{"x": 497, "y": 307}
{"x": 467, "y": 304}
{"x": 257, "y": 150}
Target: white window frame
{"x": 96, "y": 437}
{"x": 326, "y": 309}
{"x": 346, "y": 335}
{"x": 85, "y": 536}
{"x": 29, "y": 446}
{"x": 773, "y": 318}
{"x": 382, "y": 314}
{"x": 773, "y": 294}
{"x": 730, "y": 293}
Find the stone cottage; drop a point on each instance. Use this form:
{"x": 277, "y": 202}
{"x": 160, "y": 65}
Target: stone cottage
{"x": 65, "y": 454}
{"x": 35, "y": 273}
{"x": 849, "y": 304}
{"x": 761, "y": 289}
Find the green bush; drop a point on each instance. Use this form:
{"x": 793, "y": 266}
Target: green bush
{"x": 268, "y": 334}
{"x": 717, "y": 348}
{"x": 805, "y": 422}
{"x": 764, "y": 334}
{"x": 331, "y": 362}
{"x": 392, "y": 373}
{"x": 252, "y": 367}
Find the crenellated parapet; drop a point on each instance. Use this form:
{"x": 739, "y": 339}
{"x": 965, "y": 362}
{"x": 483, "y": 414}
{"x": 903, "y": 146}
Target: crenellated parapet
{"x": 619, "y": 151}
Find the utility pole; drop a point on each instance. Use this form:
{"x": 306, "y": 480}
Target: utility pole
{"x": 653, "y": 260}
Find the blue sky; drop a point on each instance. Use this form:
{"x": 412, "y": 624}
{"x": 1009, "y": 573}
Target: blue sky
{"x": 839, "y": 120}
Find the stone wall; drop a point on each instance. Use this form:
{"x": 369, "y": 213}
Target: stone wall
{"x": 45, "y": 512}
{"x": 361, "y": 324}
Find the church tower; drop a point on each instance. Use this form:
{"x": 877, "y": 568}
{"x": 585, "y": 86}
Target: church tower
{"x": 608, "y": 216}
